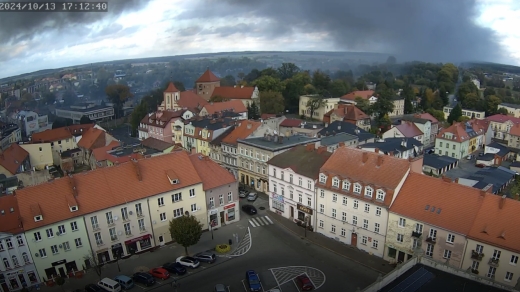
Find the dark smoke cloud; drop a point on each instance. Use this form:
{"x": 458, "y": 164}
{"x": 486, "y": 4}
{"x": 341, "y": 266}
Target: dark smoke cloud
{"x": 22, "y": 26}
{"x": 439, "y": 30}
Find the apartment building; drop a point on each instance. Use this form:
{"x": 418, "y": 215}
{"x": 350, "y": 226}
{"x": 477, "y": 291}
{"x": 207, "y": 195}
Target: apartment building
{"x": 318, "y": 113}
{"x": 472, "y": 114}
{"x": 502, "y": 124}
{"x": 512, "y": 109}
{"x": 424, "y": 125}
{"x": 406, "y": 130}
{"x": 348, "y": 113}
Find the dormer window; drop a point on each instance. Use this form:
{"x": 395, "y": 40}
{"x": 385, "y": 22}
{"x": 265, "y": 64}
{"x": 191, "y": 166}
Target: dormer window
{"x": 174, "y": 181}
{"x": 346, "y": 185}
{"x": 323, "y": 178}
{"x": 73, "y": 208}
{"x": 368, "y": 192}
{"x": 380, "y": 195}
{"x": 335, "y": 182}
{"x": 357, "y": 188}
{"x": 172, "y": 176}
{"x": 38, "y": 218}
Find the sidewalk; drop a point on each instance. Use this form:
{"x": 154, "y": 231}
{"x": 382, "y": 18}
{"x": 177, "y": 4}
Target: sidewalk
{"x": 152, "y": 259}
{"x": 347, "y": 251}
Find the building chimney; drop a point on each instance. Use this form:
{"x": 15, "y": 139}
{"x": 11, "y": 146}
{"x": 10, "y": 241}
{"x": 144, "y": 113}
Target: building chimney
{"x": 365, "y": 157}
{"x": 322, "y": 149}
{"x": 376, "y": 150}
{"x": 457, "y": 180}
{"x": 502, "y": 202}
{"x": 446, "y": 179}
{"x": 379, "y": 160}
{"x": 310, "y": 147}
{"x": 341, "y": 144}
{"x": 193, "y": 150}
{"x": 275, "y": 138}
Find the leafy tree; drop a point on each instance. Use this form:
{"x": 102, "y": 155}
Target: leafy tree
{"x": 455, "y": 114}
{"x": 272, "y": 102}
{"x": 268, "y": 83}
{"x": 408, "y": 106}
{"x": 118, "y": 95}
{"x": 61, "y": 122}
{"x": 140, "y": 111}
{"x": 489, "y": 91}
{"x": 471, "y": 101}
{"x": 438, "y": 114}
{"x": 384, "y": 123}
{"x": 287, "y": 70}
{"x": 228, "y": 80}
{"x": 363, "y": 104}
{"x": 60, "y": 281}
{"x": 27, "y": 97}
{"x": 253, "y": 112}
{"x": 95, "y": 263}
{"x": 252, "y": 76}
{"x": 85, "y": 120}
{"x": 408, "y": 94}
{"x": 383, "y": 106}
{"x": 463, "y": 119}
{"x": 241, "y": 75}
{"x": 492, "y": 102}
{"x": 338, "y": 88}
{"x": 465, "y": 89}
{"x": 49, "y": 97}
{"x": 502, "y": 111}
{"x": 270, "y": 72}
{"x": 320, "y": 81}
{"x": 314, "y": 103}
{"x": 69, "y": 97}
{"x": 186, "y": 231}
{"x": 218, "y": 98}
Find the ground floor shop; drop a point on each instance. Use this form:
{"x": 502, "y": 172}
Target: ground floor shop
{"x": 291, "y": 210}
{"x": 395, "y": 255}
{"x": 16, "y": 279}
{"x": 254, "y": 181}
{"x": 223, "y": 215}
{"x": 63, "y": 268}
{"x": 121, "y": 250}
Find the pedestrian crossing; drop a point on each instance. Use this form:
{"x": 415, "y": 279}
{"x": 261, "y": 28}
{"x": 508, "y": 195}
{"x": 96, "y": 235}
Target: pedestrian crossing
{"x": 260, "y": 221}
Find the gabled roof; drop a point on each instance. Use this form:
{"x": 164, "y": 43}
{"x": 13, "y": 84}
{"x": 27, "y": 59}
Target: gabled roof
{"x": 10, "y": 215}
{"x": 13, "y": 157}
{"x": 104, "y": 188}
{"x": 464, "y": 131}
{"x": 346, "y": 127}
{"x": 212, "y": 174}
{"x": 171, "y": 88}
{"x": 161, "y": 119}
{"x": 233, "y": 92}
{"x": 364, "y": 94}
{"x": 92, "y": 138}
{"x": 500, "y": 118}
{"x": 100, "y": 154}
{"x": 236, "y": 106}
{"x": 77, "y": 130}
{"x": 447, "y": 205}
{"x": 244, "y": 130}
{"x": 51, "y": 135}
{"x": 302, "y": 159}
{"x": 208, "y": 76}
{"x": 409, "y": 130}
{"x": 429, "y": 117}
{"x": 190, "y": 100}
{"x": 515, "y": 130}
{"x": 348, "y": 112}
{"x": 156, "y": 144}
{"x": 291, "y": 123}
{"x": 493, "y": 224}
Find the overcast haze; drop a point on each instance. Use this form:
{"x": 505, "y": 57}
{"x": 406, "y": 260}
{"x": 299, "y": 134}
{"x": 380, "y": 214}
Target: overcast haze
{"x": 440, "y": 30}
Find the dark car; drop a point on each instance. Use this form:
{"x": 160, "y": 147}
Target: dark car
{"x": 304, "y": 283}
{"x": 480, "y": 165}
{"x": 174, "y": 268}
{"x": 143, "y": 278}
{"x": 253, "y": 281}
{"x": 206, "y": 257}
{"x": 249, "y": 209}
{"x": 93, "y": 288}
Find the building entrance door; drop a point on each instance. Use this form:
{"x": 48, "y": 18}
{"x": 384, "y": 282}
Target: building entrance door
{"x": 222, "y": 217}
{"x": 62, "y": 272}
{"x": 353, "y": 239}
{"x": 292, "y": 211}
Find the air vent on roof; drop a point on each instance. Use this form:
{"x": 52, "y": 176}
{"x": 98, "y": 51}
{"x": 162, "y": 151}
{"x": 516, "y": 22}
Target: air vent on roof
{"x": 427, "y": 207}
{"x": 432, "y": 209}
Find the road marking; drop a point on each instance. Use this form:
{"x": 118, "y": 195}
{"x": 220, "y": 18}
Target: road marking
{"x": 252, "y": 223}
{"x": 284, "y": 275}
{"x": 258, "y": 221}
{"x": 144, "y": 288}
{"x": 297, "y": 288}
{"x": 268, "y": 219}
{"x": 263, "y": 220}
{"x": 244, "y": 284}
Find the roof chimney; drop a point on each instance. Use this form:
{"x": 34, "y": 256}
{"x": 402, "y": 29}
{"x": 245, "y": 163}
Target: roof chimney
{"x": 309, "y": 147}
{"x": 502, "y": 202}
{"x": 379, "y": 160}
{"x": 341, "y": 144}
{"x": 137, "y": 170}
{"x": 275, "y": 138}
{"x": 322, "y": 149}
{"x": 446, "y": 179}
{"x": 193, "y": 150}
{"x": 376, "y": 150}
{"x": 339, "y": 127}
{"x": 365, "y": 157}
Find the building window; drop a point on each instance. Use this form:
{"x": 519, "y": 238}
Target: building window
{"x": 61, "y": 229}
{"x": 346, "y": 185}
{"x": 333, "y": 228}
{"x": 221, "y": 200}
{"x": 376, "y": 227}
{"x": 54, "y": 249}
{"x": 367, "y": 208}
{"x": 291, "y": 195}
{"x": 322, "y": 194}
{"x": 357, "y": 188}
{"x": 368, "y": 192}
{"x": 450, "y": 238}
{"x": 496, "y": 254}
{"x": 110, "y": 219}
{"x": 321, "y": 223}
{"x": 364, "y": 240}
{"x": 335, "y": 182}
{"x": 514, "y": 260}
{"x": 128, "y": 231}
{"x": 142, "y": 227}
{"x": 37, "y": 236}
{"x": 309, "y": 184}
{"x": 333, "y": 213}
{"x": 176, "y": 197}
{"x": 282, "y": 176}
{"x": 309, "y": 201}
{"x": 418, "y": 228}
{"x": 300, "y": 181}
{"x": 50, "y": 233}
{"x": 334, "y": 198}
{"x": 42, "y": 252}
{"x": 66, "y": 246}
{"x": 211, "y": 202}
{"x": 344, "y": 216}
{"x": 354, "y": 220}
{"x": 15, "y": 261}
{"x": 491, "y": 272}
{"x": 74, "y": 226}
{"x": 138, "y": 210}
{"x": 99, "y": 240}
{"x": 275, "y": 189}
{"x": 344, "y": 200}
{"x": 380, "y": 195}
{"x": 375, "y": 243}
{"x": 291, "y": 178}
{"x": 160, "y": 201}
{"x": 323, "y": 179}
{"x": 400, "y": 237}
{"x": 415, "y": 243}
{"x": 19, "y": 239}
{"x": 193, "y": 207}
{"x": 25, "y": 257}
{"x": 322, "y": 208}
{"x": 509, "y": 277}
{"x": 378, "y": 211}
{"x": 192, "y": 193}
{"x": 230, "y": 197}
{"x": 402, "y": 222}
{"x": 429, "y": 250}
{"x": 356, "y": 204}
{"x": 300, "y": 198}
{"x": 365, "y": 223}
{"x": 162, "y": 216}
{"x": 447, "y": 254}
{"x": 433, "y": 234}
{"x": 343, "y": 232}
{"x": 177, "y": 213}
{"x": 78, "y": 243}
{"x": 124, "y": 213}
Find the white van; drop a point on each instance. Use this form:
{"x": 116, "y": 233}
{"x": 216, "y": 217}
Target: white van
{"x": 109, "y": 285}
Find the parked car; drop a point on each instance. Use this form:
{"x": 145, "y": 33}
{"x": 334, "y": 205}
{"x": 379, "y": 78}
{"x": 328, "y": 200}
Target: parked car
{"x": 253, "y": 281}
{"x": 304, "y": 283}
{"x": 160, "y": 273}
{"x": 109, "y": 285}
{"x": 143, "y": 278}
{"x": 243, "y": 194}
{"x": 252, "y": 197}
{"x": 188, "y": 262}
{"x": 205, "y": 257}
{"x": 220, "y": 288}
{"x": 175, "y": 268}
{"x": 93, "y": 288}
{"x": 126, "y": 282}
{"x": 480, "y": 165}
{"x": 249, "y": 209}
{"x": 469, "y": 157}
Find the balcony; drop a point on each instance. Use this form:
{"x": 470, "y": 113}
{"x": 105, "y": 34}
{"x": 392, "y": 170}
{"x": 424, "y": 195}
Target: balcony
{"x": 476, "y": 255}
{"x": 431, "y": 240}
{"x": 416, "y": 234}
{"x": 493, "y": 262}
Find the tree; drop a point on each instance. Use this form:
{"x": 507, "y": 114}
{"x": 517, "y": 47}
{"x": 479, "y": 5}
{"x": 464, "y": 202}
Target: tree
{"x": 228, "y": 80}
{"x": 270, "y": 72}
{"x": 502, "y": 111}
{"x": 253, "y": 112}
{"x": 463, "y": 119}
{"x": 471, "y": 101}
{"x": 27, "y": 97}
{"x": 338, "y": 88}
{"x": 118, "y": 94}
{"x": 138, "y": 114}
{"x": 314, "y": 103}
{"x": 363, "y": 104}
{"x": 85, "y": 120}
{"x": 49, "y": 97}
{"x": 320, "y": 81}
{"x": 272, "y": 102}
{"x": 438, "y": 114}
{"x": 69, "y": 97}
{"x": 60, "y": 282}
{"x": 186, "y": 230}
{"x": 62, "y": 122}
{"x": 179, "y": 85}
{"x": 455, "y": 114}
{"x": 384, "y": 123}
{"x": 408, "y": 106}
{"x": 252, "y": 76}
{"x": 268, "y": 83}
{"x": 287, "y": 70}
{"x": 95, "y": 263}
{"x": 383, "y": 106}
{"x": 218, "y": 98}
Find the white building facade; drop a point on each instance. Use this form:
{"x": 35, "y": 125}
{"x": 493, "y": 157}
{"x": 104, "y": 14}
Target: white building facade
{"x": 17, "y": 269}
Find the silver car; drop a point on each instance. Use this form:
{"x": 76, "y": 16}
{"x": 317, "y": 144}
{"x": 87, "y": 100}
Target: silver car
{"x": 252, "y": 197}
{"x": 243, "y": 194}
{"x": 220, "y": 288}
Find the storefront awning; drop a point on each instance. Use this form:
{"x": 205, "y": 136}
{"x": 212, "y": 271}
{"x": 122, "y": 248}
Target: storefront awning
{"x": 146, "y": 236}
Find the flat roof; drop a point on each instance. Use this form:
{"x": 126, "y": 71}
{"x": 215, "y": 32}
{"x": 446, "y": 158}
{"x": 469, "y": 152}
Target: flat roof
{"x": 275, "y": 145}
{"x": 84, "y": 110}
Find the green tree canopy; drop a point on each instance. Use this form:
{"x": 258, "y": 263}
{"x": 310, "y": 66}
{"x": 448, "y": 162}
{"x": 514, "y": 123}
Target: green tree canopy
{"x": 140, "y": 111}
{"x": 363, "y": 104}
{"x": 455, "y": 114}
{"x": 118, "y": 94}
{"x": 438, "y": 114}
{"x": 186, "y": 231}
{"x": 383, "y": 106}
{"x": 502, "y": 111}
{"x": 491, "y": 104}
{"x": 61, "y": 122}
{"x": 85, "y": 120}
{"x": 268, "y": 83}
{"x": 314, "y": 103}
{"x": 69, "y": 97}
{"x": 228, "y": 80}
{"x": 253, "y": 112}
{"x": 287, "y": 70}
{"x": 321, "y": 81}
{"x": 338, "y": 88}
{"x": 272, "y": 102}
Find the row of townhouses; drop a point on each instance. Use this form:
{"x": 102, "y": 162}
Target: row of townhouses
{"x": 57, "y": 228}
{"x": 386, "y": 206}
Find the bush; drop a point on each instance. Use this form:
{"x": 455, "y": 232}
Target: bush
{"x": 223, "y": 248}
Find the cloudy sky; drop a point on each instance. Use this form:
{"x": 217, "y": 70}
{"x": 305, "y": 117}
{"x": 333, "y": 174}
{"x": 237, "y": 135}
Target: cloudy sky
{"x": 440, "y": 30}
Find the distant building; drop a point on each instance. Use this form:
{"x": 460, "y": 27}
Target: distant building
{"x": 398, "y": 147}
{"x": 93, "y": 112}
{"x": 512, "y": 109}
{"x": 10, "y": 134}
{"x": 318, "y": 114}
{"x": 348, "y": 113}
{"x": 472, "y": 114}
{"x": 349, "y": 128}
{"x": 289, "y": 127}
{"x": 30, "y": 122}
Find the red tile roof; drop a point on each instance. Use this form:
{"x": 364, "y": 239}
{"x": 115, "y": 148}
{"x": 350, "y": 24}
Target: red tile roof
{"x": 13, "y": 157}
{"x": 208, "y": 76}
{"x": 156, "y": 144}
{"x": 51, "y": 135}
{"x": 364, "y": 94}
{"x": 212, "y": 174}
{"x": 515, "y": 130}
{"x": 103, "y": 188}
{"x": 348, "y": 112}
{"x": 93, "y": 138}
{"x": 244, "y": 130}
{"x": 291, "y": 123}
{"x": 495, "y": 223}
{"x": 233, "y": 92}
{"x": 409, "y": 129}
{"x": 438, "y": 202}
{"x": 503, "y": 118}
{"x": 100, "y": 154}
{"x": 11, "y": 222}
{"x": 236, "y": 106}
{"x": 267, "y": 116}
{"x": 160, "y": 119}
{"x": 190, "y": 100}
{"x": 459, "y": 130}
{"x": 171, "y": 88}
{"x": 429, "y": 117}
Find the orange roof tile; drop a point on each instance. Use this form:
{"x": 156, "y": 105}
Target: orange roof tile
{"x": 171, "y": 88}
{"x": 437, "y": 202}
{"x": 13, "y": 157}
{"x": 291, "y": 123}
{"x": 93, "y": 138}
{"x": 100, "y": 154}
{"x": 515, "y": 130}
{"x": 51, "y": 135}
{"x": 429, "y": 117}
{"x": 190, "y": 100}
{"x": 244, "y": 130}
{"x": 364, "y": 94}
{"x": 10, "y": 215}
{"x": 104, "y": 187}
{"x": 233, "y": 92}
{"x": 500, "y": 118}
{"x": 212, "y": 174}
{"x": 160, "y": 119}
{"x": 348, "y": 112}
{"x": 459, "y": 130}
{"x": 231, "y": 105}
{"x": 208, "y": 76}
{"x": 494, "y": 223}
{"x": 156, "y": 144}
{"x": 409, "y": 129}
{"x": 267, "y": 116}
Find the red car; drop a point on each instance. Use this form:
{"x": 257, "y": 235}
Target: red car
{"x": 160, "y": 273}
{"x": 304, "y": 283}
